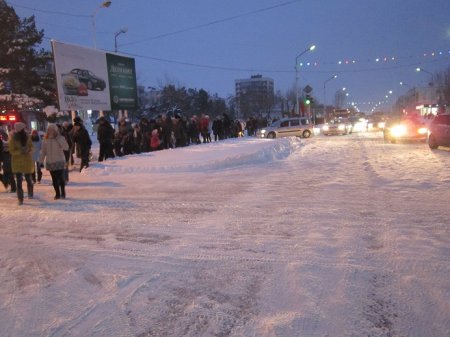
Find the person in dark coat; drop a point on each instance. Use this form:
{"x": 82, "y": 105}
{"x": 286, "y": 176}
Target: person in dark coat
{"x": 5, "y": 159}
{"x": 194, "y": 130}
{"x": 227, "y": 126}
{"x": 137, "y": 139}
{"x": 166, "y": 130}
{"x": 180, "y": 131}
{"x": 146, "y": 130}
{"x": 217, "y": 128}
{"x": 105, "y": 136}
{"x": 65, "y": 131}
{"x": 83, "y": 144}
{"x": 124, "y": 138}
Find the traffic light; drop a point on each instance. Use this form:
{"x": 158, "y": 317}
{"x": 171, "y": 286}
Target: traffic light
{"x": 309, "y": 99}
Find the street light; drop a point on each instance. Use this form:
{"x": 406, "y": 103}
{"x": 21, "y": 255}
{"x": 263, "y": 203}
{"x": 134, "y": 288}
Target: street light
{"x": 426, "y": 71}
{"x": 311, "y": 48}
{"x": 122, "y": 30}
{"x": 423, "y": 70}
{"x": 104, "y": 4}
{"x": 325, "y": 94}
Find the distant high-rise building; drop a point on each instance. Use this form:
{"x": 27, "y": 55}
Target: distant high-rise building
{"x": 254, "y": 96}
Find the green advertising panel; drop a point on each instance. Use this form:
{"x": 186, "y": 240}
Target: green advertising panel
{"x": 122, "y": 82}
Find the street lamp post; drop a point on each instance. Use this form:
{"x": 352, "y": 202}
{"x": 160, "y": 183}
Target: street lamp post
{"x": 104, "y": 4}
{"x": 325, "y": 93}
{"x": 311, "y": 48}
{"x": 122, "y": 30}
{"x": 414, "y": 99}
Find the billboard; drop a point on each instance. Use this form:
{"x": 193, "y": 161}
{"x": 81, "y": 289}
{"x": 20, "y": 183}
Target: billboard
{"x": 91, "y": 79}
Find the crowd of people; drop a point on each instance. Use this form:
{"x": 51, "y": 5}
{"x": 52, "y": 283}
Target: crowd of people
{"x": 166, "y": 132}
{"x": 23, "y": 155}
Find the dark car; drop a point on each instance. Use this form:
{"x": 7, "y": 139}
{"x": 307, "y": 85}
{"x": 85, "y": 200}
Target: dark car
{"x": 405, "y": 128}
{"x": 439, "y": 131}
{"x": 87, "y": 77}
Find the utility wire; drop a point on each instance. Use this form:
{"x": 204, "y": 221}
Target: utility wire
{"x": 230, "y": 18}
{"x": 410, "y": 65}
{"x": 48, "y": 12}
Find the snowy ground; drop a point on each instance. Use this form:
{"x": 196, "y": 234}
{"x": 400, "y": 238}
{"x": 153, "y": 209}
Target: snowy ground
{"x": 337, "y": 237}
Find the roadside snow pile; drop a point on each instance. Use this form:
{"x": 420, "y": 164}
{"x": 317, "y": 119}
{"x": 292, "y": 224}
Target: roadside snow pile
{"x": 214, "y": 156}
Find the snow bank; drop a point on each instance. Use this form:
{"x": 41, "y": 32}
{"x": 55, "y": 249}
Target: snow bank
{"x": 215, "y": 156}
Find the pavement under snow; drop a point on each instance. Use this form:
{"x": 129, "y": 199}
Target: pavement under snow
{"x": 338, "y": 237}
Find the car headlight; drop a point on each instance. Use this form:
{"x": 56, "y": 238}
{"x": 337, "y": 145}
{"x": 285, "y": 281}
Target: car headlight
{"x": 360, "y": 126}
{"x": 326, "y": 128}
{"x": 341, "y": 127}
{"x": 422, "y": 131}
{"x": 398, "y": 130}
{"x": 262, "y": 130}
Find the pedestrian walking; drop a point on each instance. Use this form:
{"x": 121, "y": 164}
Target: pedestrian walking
{"x": 7, "y": 177}
{"x": 65, "y": 131}
{"x": 37, "y": 145}
{"x": 21, "y": 148}
{"x": 83, "y": 143}
{"x": 52, "y": 152}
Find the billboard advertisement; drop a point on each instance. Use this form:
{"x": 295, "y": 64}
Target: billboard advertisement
{"x": 122, "y": 82}
{"x": 91, "y": 79}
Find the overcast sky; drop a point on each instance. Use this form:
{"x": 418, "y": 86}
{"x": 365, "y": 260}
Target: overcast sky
{"x": 210, "y": 43}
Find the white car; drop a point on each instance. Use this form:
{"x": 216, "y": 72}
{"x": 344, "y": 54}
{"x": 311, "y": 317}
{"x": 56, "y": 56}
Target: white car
{"x": 338, "y": 126}
{"x": 288, "y": 127}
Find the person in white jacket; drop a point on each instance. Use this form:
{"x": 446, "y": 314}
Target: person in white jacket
{"x": 52, "y": 152}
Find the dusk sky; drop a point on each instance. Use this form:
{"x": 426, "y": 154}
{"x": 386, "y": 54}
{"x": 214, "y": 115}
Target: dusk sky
{"x": 209, "y": 43}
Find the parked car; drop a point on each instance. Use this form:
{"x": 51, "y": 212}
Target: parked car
{"x": 87, "y": 77}
{"x": 288, "y": 127}
{"x": 439, "y": 131}
{"x": 376, "y": 123}
{"x": 405, "y": 128}
{"x": 337, "y": 126}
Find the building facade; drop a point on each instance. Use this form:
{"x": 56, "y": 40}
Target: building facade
{"x": 254, "y": 97}
{"x": 425, "y": 101}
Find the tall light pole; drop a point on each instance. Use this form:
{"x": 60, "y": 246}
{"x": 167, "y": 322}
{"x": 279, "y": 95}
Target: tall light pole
{"x": 325, "y": 93}
{"x": 122, "y": 30}
{"x": 311, "y": 48}
{"x": 409, "y": 100}
{"x": 104, "y": 4}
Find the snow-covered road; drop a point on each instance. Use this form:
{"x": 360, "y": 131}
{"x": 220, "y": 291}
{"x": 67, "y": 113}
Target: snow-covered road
{"x": 338, "y": 237}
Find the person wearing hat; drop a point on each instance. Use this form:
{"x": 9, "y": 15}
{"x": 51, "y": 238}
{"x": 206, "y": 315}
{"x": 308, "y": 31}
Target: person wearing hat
{"x": 21, "y": 148}
{"x": 52, "y": 152}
